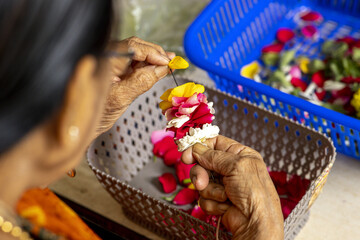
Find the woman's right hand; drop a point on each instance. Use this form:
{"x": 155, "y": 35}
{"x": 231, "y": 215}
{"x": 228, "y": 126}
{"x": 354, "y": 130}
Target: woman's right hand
{"x": 247, "y": 198}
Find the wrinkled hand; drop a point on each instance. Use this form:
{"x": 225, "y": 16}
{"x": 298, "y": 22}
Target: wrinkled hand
{"x": 247, "y": 197}
{"x": 148, "y": 65}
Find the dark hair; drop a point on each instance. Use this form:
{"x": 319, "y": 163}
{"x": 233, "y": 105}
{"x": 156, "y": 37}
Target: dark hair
{"x": 40, "y": 43}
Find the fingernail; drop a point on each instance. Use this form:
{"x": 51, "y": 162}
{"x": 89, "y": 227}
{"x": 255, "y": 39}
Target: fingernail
{"x": 161, "y": 71}
{"x": 164, "y": 59}
{"x": 193, "y": 180}
{"x": 200, "y": 149}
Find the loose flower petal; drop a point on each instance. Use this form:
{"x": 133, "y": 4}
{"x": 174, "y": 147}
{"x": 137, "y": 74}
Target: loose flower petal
{"x": 198, "y": 213}
{"x": 304, "y": 64}
{"x": 250, "y": 70}
{"x": 285, "y": 34}
{"x": 186, "y": 196}
{"x": 297, "y": 188}
{"x": 183, "y": 172}
{"x": 318, "y": 78}
{"x": 160, "y": 148}
{"x": 178, "y": 63}
{"x": 172, "y": 157}
{"x": 168, "y": 182}
{"x": 309, "y": 31}
{"x": 279, "y": 179}
{"x": 287, "y": 206}
{"x": 274, "y": 48}
{"x": 311, "y": 16}
{"x": 157, "y": 136}
{"x": 298, "y": 83}
{"x": 295, "y": 72}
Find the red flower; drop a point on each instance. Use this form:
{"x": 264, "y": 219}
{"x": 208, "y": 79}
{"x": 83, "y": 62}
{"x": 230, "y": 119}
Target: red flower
{"x": 350, "y": 79}
{"x": 287, "y": 206}
{"x": 172, "y": 156}
{"x": 168, "y": 182}
{"x": 274, "y": 48}
{"x": 157, "y": 136}
{"x": 344, "y": 93}
{"x": 350, "y": 41}
{"x": 279, "y": 179}
{"x": 318, "y": 78}
{"x": 183, "y": 171}
{"x": 297, "y": 188}
{"x": 320, "y": 94}
{"x": 311, "y": 16}
{"x": 298, "y": 83}
{"x": 162, "y": 147}
{"x": 309, "y": 31}
{"x": 186, "y": 196}
{"x": 284, "y": 35}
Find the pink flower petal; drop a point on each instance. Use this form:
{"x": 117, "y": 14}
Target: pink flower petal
{"x": 284, "y": 35}
{"x": 183, "y": 171}
{"x": 295, "y": 72}
{"x": 160, "y": 148}
{"x": 318, "y": 78}
{"x": 170, "y": 113}
{"x": 186, "y": 196}
{"x": 186, "y": 109}
{"x": 201, "y": 98}
{"x": 298, "y": 83}
{"x": 172, "y": 157}
{"x": 157, "y": 136}
{"x": 176, "y": 101}
{"x": 168, "y": 182}
{"x": 309, "y": 31}
{"x": 274, "y": 48}
{"x": 311, "y": 16}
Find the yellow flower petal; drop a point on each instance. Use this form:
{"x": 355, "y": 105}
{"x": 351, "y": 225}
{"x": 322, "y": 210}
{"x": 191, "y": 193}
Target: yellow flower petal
{"x": 178, "y": 63}
{"x": 250, "y": 70}
{"x": 165, "y": 105}
{"x": 191, "y": 186}
{"x": 35, "y": 213}
{"x": 304, "y": 64}
{"x": 166, "y": 94}
{"x": 186, "y": 90}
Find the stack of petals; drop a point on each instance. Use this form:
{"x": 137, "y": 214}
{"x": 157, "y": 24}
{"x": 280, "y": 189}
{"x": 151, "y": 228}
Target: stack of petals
{"x": 189, "y": 114}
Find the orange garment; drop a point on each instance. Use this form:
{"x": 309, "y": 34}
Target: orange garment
{"x": 45, "y": 210}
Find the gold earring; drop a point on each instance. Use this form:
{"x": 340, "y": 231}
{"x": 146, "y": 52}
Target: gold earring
{"x": 71, "y": 173}
{"x": 73, "y": 132}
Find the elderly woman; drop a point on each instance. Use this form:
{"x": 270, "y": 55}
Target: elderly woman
{"x": 62, "y": 83}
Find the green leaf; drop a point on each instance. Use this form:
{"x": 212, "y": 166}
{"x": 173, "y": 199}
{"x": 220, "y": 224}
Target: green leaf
{"x": 327, "y": 47}
{"x": 279, "y": 77}
{"x": 316, "y": 65}
{"x": 270, "y": 59}
{"x": 356, "y": 54}
{"x": 286, "y": 58}
{"x": 334, "y": 49}
{"x": 335, "y": 107}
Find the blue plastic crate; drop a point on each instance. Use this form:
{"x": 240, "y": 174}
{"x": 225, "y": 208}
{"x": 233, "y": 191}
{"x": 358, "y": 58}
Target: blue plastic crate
{"x": 230, "y": 33}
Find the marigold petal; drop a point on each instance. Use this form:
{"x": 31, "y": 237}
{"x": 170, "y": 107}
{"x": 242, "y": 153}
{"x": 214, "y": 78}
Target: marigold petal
{"x": 186, "y": 90}
{"x": 165, "y": 105}
{"x": 178, "y": 63}
{"x": 250, "y": 70}
{"x": 166, "y": 94}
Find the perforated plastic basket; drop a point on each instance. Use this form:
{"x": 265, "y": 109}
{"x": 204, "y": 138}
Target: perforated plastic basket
{"x": 230, "y": 33}
{"x": 122, "y": 160}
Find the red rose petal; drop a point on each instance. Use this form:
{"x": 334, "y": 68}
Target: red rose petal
{"x": 296, "y": 188}
{"x": 311, "y": 16}
{"x": 274, "y": 48}
{"x": 198, "y": 213}
{"x": 160, "y": 148}
{"x": 285, "y": 34}
{"x": 350, "y": 80}
{"x": 287, "y": 206}
{"x": 345, "y": 92}
{"x": 318, "y": 78}
{"x": 172, "y": 157}
{"x": 350, "y": 41}
{"x": 183, "y": 171}
{"x": 279, "y": 179}
{"x": 320, "y": 94}
{"x": 309, "y": 31}
{"x": 185, "y": 196}
{"x": 157, "y": 136}
{"x": 298, "y": 83}
{"x": 168, "y": 182}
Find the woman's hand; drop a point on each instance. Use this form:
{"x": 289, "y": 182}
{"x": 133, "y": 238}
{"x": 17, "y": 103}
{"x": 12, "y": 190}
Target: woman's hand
{"x": 247, "y": 197}
{"x": 132, "y": 77}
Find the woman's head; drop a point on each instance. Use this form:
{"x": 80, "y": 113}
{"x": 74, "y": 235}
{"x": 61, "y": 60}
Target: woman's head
{"x": 51, "y": 73}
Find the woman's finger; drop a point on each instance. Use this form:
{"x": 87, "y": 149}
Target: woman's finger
{"x": 157, "y": 47}
{"x": 147, "y": 53}
{"x": 199, "y": 177}
{"x": 214, "y": 191}
{"x": 212, "y": 207}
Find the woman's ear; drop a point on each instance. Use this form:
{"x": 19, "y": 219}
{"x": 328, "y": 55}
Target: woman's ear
{"x": 75, "y": 122}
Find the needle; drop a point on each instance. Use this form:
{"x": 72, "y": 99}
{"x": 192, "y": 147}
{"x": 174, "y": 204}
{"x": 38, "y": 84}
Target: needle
{"x": 174, "y": 77}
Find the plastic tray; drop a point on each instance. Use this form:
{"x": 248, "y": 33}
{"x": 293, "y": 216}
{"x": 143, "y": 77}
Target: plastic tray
{"x": 230, "y": 33}
{"x": 122, "y": 155}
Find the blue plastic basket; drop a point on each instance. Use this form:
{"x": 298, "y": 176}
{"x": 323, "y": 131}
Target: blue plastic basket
{"x": 230, "y": 33}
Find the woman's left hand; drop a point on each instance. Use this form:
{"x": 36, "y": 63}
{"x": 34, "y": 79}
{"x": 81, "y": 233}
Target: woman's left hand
{"x": 133, "y": 77}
